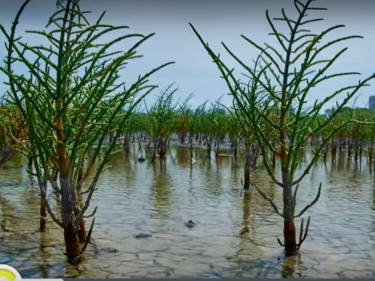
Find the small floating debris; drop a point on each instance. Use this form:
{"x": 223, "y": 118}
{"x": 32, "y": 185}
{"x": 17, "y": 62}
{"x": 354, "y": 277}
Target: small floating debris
{"x": 109, "y": 250}
{"x": 190, "y": 224}
{"x": 142, "y": 235}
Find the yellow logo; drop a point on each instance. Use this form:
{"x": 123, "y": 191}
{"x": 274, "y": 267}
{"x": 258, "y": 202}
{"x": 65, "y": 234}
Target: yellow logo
{"x": 8, "y": 273}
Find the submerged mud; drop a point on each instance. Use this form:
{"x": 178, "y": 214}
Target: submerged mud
{"x": 235, "y": 232}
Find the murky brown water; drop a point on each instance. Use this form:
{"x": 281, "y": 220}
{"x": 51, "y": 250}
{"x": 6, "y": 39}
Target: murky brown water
{"x": 235, "y": 233}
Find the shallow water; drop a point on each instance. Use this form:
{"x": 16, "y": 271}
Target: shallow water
{"x": 235, "y": 234}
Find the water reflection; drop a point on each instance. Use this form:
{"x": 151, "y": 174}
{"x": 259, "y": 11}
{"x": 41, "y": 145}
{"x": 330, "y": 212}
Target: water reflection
{"x": 289, "y": 267}
{"x": 182, "y": 157}
{"x": 161, "y": 187}
{"x": 7, "y": 214}
{"x": 235, "y": 233}
{"x": 246, "y": 213}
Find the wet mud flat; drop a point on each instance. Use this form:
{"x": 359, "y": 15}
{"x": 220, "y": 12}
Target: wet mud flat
{"x": 234, "y": 234}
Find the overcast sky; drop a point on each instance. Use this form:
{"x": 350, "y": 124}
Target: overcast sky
{"x": 216, "y": 21}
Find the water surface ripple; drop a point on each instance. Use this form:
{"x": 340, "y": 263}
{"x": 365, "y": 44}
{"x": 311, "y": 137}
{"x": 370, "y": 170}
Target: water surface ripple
{"x": 235, "y": 233}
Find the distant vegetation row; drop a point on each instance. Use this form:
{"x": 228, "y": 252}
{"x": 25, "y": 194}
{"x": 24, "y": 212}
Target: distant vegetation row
{"x": 207, "y": 126}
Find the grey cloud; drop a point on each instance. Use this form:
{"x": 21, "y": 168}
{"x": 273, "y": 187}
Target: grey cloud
{"x": 216, "y": 20}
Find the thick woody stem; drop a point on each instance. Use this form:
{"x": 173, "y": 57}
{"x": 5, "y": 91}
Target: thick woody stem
{"x": 43, "y": 210}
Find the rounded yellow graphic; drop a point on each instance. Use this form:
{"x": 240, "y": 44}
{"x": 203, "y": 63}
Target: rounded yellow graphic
{"x": 8, "y": 273}
{"x": 5, "y": 273}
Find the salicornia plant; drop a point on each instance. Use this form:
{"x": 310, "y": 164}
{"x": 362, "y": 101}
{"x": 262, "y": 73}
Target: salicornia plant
{"x": 214, "y": 126}
{"x": 163, "y": 117}
{"x": 70, "y": 100}
{"x": 294, "y": 74}
{"x": 13, "y": 131}
{"x": 243, "y": 129}
{"x": 193, "y": 124}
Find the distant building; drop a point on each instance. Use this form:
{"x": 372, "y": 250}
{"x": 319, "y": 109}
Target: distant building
{"x": 371, "y": 102}
{"x": 329, "y": 111}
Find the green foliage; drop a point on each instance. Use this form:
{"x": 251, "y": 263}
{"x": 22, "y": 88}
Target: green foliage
{"x": 13, "y": 131}
{"x": 284, "y": 81}
{"x": 73, "y": 96}
{"x": 163, "y": 115}
{"x": 294, "y": 75}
